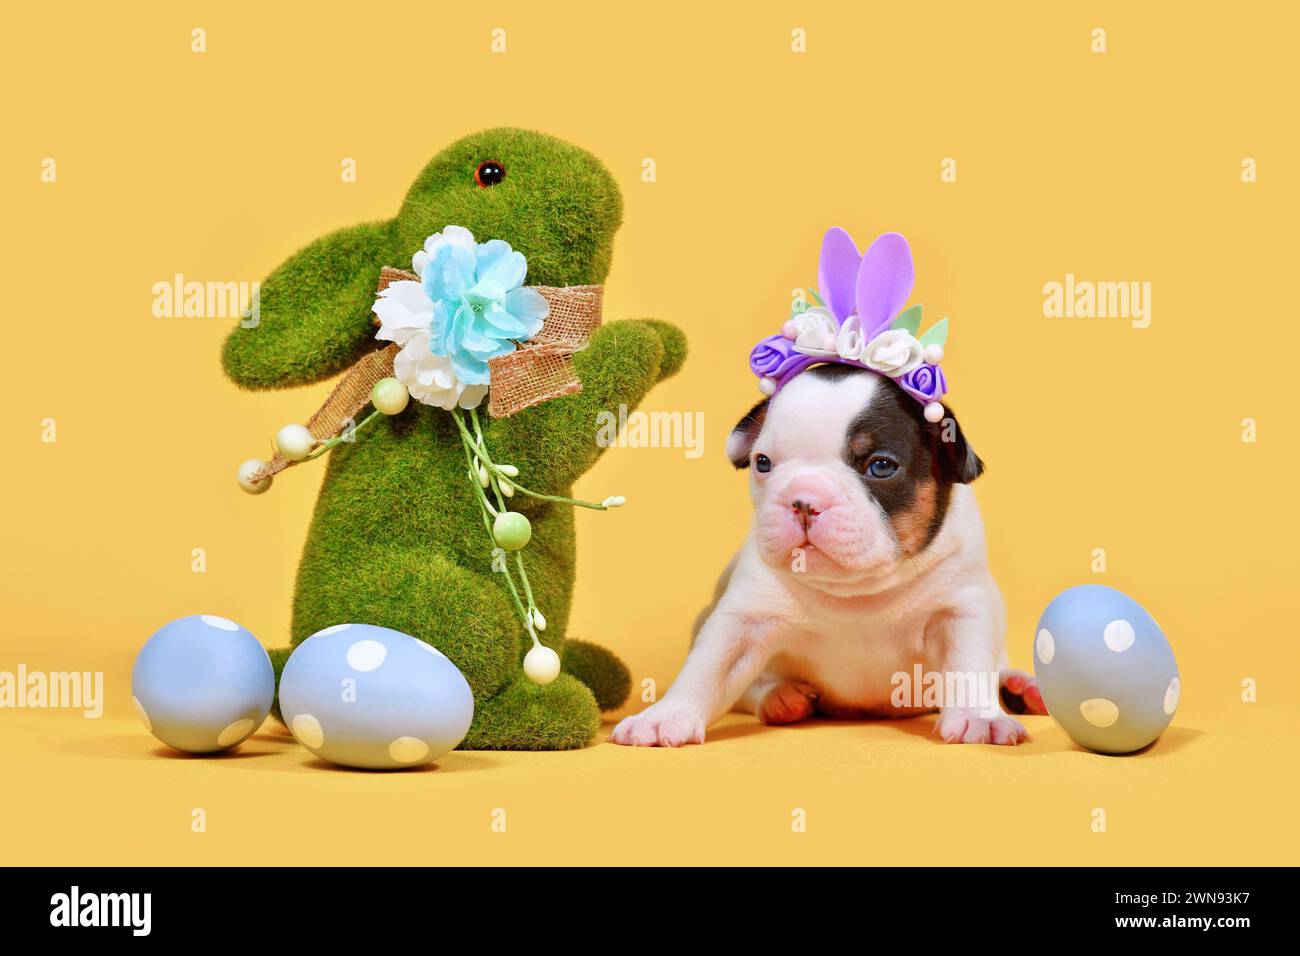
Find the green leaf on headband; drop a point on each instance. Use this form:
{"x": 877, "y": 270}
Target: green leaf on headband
{"x": 909, "y": 320}
{"x": 936, "y": 334}
{"x": 795, "y": 310}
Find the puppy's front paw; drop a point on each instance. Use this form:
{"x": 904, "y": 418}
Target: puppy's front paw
{"x": 960, "y": 726}
{"x": 659, "y": 726}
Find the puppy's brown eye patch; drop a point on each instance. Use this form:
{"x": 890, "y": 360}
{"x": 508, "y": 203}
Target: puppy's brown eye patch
{"x": 914, "y": 525}
{"x": 861, "y": 443}
{"x": 915, "y": 495}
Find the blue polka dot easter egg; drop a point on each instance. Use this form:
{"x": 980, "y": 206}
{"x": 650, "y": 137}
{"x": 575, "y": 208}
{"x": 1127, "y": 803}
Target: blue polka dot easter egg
{"x": 1106, "y": 672}
{"x": 374, "y": 698}
{"x": 202, "y": 684}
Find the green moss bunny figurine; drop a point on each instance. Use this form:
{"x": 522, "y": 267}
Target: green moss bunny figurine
{"x": 398, "y": 537}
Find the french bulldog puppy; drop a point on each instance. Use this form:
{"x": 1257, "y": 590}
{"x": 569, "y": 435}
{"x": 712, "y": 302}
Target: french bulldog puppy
{"x": 866, "y": 558}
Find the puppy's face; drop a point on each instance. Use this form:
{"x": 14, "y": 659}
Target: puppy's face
{"x": 847, "y": 476}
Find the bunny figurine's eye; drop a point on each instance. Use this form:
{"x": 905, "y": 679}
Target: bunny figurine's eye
{"x": 489, "y": 173}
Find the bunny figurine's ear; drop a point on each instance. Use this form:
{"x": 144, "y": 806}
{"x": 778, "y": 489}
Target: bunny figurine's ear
{"x": 313, "y": 313}
{"x": 838, "y": 271}
{"x": 884, "y": 282}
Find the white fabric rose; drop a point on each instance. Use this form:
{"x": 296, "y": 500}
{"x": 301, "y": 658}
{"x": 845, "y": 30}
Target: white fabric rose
{"x": 816, "y": 329}
{"x": 848, "y": 344}
{"x": 893, "y": 352}
{"x": 405, "y": 314}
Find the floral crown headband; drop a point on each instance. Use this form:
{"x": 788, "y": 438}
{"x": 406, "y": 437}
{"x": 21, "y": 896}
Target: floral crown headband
{"x": 859, "y": 320}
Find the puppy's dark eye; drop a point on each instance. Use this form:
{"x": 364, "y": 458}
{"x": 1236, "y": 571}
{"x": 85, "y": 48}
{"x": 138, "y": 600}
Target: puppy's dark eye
{"x": 763, "y": 463}
{"x": 489, "y": 173}
{"x": 881, "y": 467}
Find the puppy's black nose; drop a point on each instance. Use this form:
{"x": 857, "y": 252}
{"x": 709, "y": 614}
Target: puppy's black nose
{"x": 803, "y": 512}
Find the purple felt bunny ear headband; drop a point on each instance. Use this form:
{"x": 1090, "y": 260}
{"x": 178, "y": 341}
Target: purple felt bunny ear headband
{"x": 859, "y": 320}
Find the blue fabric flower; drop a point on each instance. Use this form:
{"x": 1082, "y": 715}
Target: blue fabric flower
{"x": 480, "y": 307}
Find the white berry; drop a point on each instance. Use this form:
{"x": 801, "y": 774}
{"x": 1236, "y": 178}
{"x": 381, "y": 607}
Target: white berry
{"x": 245, "y": 476}
{"x": 541, "y": 664}
{"x": 294, "y": 442}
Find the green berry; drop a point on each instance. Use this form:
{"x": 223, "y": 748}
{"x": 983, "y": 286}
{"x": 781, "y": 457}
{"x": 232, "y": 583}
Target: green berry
{"x": 511, "y": 530}
{"x": 389, "y": 396}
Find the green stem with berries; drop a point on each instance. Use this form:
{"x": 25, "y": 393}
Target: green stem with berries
{"x": 329, "y": 443}
{"x": 488, "y": 512}
{"x": 477, "y": 445}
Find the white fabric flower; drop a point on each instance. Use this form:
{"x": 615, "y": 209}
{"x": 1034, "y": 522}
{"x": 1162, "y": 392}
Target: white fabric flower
{"x": 816, "y": 329}
{"x": 430, "y": 378}
{"x": 451, "y": 236}
{"x": 893, "y": 352}
{"x": 405, "y": 313}
{"x": 403, "y": 310}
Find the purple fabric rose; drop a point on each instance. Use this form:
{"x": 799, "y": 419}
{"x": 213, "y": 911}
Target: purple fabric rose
{"x": 774, "y": 357}
{"x": 925, "y": 383}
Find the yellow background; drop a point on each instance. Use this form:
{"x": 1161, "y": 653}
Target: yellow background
{"x": 1120, "y": 166}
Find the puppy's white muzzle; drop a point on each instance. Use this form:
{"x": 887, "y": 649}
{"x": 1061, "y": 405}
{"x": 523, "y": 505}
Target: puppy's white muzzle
{"x": 820, "y": 515}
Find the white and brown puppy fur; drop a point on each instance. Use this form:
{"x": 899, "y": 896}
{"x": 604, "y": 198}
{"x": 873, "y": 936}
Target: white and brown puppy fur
{"x": 866, "y": 557}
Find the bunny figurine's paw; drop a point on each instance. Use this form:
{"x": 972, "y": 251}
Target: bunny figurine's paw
{"x": 561, "y": 715}
{"x": 556, "y": 441}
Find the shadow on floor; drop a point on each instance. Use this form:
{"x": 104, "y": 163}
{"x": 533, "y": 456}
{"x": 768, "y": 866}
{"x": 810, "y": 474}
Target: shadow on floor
{"x": 1047, "y": 738}
{"x": 267, "y": 742}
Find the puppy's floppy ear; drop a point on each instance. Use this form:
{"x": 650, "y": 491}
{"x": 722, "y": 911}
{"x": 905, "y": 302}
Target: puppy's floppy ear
{"x": 741, "y": 440}
{"x": 955, "y": 460}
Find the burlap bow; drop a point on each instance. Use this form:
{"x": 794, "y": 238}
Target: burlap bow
{"x": 537, "y": 371}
